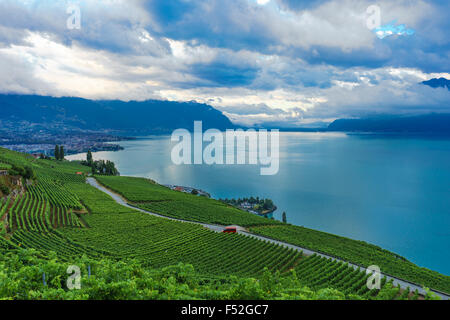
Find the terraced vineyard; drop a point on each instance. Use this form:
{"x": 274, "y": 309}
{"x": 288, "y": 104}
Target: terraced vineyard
{"x": 124, "y": 280}
{"x": 54, "y": 241}
{"x": 28, "y": 213}
{"x": 4, "y": 204}
{"x": 60, "y": 213}
{"x": 152, "y": 197}
{"x": 160, "y": 242}
{"x": 318, "y": 272}
{"x": 156, "y": 198}
{"x": 41, "y": 209}
{"x": 44, "y": 218}
{"x": 55, "y": 193}
{"x": 358, "y": 252}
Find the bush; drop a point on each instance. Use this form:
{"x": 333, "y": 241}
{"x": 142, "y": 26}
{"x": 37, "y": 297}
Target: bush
{"x": 29, "y": 173}
{"x": 13, "y": 172}
{"x": 16, "y": 171}
{"x": 21, "y": 278}
{"x": 26, "y": 172}
{"x": 5, "y": 190}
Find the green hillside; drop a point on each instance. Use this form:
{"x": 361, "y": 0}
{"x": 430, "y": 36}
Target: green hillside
{"x": 358, "y": 252}
{"x": 58, "y": 219}
{"x": 148, "y": 195}
{"x": 22, "y": 271}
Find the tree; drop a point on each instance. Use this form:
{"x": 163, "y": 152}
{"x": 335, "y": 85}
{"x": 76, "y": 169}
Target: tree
{"x": 104, "y": 167}
{"x": 5, "y": 190}
{"x": 16, "y": 171}
{"x": 284, "y": 217}
{"x": 29, "y": 173}
{"x": 61, "y": 153}
{"x": 268, "y": 204}
{"x": 57, "y": 152}
{"x": 89, "y": 158}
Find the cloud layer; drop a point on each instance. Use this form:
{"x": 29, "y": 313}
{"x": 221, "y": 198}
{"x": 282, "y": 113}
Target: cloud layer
{"x": 276, "y": 62}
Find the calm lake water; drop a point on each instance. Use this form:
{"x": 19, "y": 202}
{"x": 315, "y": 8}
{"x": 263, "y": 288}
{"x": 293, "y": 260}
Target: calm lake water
{"x": 389, "y": 191}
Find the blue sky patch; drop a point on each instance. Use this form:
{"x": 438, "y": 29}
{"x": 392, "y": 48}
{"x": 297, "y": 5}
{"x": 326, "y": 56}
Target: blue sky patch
{"x": 391, "y": 29}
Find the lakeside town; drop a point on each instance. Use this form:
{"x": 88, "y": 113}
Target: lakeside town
{"x": 190, "y": 190}
{"x": 32, "y": 138}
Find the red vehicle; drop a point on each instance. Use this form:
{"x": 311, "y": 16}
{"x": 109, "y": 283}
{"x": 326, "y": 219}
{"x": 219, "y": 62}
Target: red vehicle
{"x": 229, "y": 230}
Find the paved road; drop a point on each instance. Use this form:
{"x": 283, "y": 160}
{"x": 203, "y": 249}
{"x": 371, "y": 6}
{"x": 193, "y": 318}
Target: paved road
{"x": 218, "y": 228}
{"x": 120, "y": 200}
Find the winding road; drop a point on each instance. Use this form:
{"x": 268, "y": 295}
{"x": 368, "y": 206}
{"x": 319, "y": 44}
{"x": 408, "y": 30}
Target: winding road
{"x": 219, "y": 228}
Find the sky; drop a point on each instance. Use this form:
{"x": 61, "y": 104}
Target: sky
{"x": 280, "y": 63}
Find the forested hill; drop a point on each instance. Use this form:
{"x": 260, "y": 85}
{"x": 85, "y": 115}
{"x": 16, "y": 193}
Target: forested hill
{"x": 146, "y": 117}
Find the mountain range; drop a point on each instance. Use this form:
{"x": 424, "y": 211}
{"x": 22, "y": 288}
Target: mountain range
{"x": 33, "y": 113}
{"x": 428, "y": 123}
{"x": 437, "y": 83}
{"x": 128, "y": 118}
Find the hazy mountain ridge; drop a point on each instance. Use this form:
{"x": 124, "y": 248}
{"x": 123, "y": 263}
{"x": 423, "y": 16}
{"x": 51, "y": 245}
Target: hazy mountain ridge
{"x": 33, "y": 113}
{"x": 437, "y": 83}
{"x": 131, "y": 118}
{"x": 429, "y": 123}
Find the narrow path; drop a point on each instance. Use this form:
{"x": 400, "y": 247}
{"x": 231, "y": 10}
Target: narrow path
{"x": 218, "y": 228}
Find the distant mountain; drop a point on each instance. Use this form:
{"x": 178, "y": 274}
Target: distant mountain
{"x": 438, "y": 83}
{"x": 131, "y": 118}
{"x": 430, "y": 123}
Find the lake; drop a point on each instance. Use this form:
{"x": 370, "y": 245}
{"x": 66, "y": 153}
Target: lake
{"x": 393, "y": 191}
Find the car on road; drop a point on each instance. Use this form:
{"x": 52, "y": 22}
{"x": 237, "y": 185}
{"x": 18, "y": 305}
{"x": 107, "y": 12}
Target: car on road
{"x": 229, "y": 230}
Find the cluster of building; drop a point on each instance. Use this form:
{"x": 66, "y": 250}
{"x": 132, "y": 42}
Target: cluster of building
{"x": 24, "y": 136}
{"x": 188, "y": 190}
{"x": 73, "y": 145}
